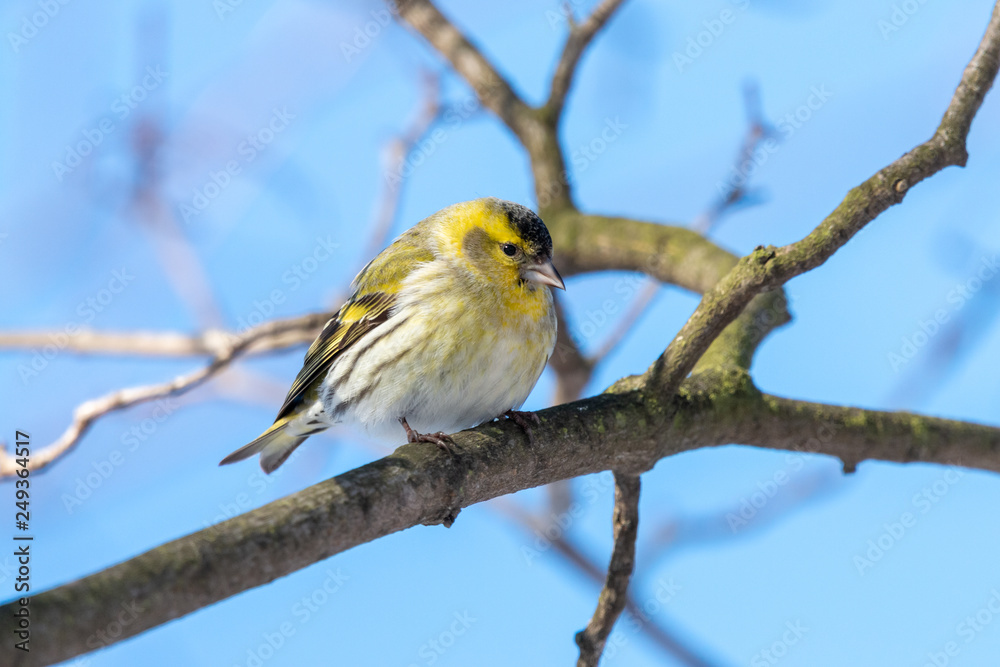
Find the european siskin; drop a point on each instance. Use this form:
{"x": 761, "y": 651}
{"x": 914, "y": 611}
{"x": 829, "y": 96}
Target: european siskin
{"x": 448, "y": 327}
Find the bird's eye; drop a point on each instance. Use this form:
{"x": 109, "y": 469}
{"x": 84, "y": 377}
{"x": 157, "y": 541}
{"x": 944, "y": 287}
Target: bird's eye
{"x": 509, "y": 249}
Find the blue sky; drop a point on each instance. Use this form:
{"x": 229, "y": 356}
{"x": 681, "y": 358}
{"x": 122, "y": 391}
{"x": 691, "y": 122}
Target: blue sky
{"x": 209, "y": 78}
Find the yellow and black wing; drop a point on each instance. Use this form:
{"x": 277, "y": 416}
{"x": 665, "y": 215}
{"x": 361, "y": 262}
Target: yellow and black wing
{"x": 354, "y": 320}
{"x": 376, "y": 287}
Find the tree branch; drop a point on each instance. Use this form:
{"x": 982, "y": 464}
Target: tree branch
{"x": 640, "y": 420}
{"x": 275, "y": 334}
{"x": 614, "y": 596}
{"x": 492, "y": 89}
{"x": 770, "y": 267}
{"x": 535, "y": 132}
{"x": 566, "y": 548}
{"x": 580, "y": 36}
{"x": 757, "y": 131}
{"x": 289, "y": 332}
{"x": 418, "y": 484}
{"x": 573, "y": 370}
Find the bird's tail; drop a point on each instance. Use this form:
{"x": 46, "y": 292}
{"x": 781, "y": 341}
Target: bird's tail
{"x": 274, "y": 445}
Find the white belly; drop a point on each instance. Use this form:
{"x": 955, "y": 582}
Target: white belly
{"x": 421, "y": 366}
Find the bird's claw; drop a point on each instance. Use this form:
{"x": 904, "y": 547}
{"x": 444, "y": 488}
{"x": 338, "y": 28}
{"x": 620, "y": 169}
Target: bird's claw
{"x": 522, "y": 419}
{"x": 441, "y": 439}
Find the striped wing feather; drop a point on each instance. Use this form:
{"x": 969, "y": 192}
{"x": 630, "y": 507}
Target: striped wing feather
{"x": 358, "y": 316}
{"x": 375, "y": 288}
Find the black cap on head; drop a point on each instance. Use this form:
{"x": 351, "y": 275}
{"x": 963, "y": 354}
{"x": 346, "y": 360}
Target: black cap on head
{"x": 528, "y": 225}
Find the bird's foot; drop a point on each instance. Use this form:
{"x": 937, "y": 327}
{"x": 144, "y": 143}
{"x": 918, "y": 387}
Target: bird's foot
{"x": 523, "y": 420}
{"x": 441, "y": 439}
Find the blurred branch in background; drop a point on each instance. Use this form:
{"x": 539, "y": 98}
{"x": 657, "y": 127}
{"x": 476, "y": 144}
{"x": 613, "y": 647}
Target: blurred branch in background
{"x": 148, "y": 204}
{"x": 559, "y": 539}
{"x": 734, "y": 190}
{"x": 397, "y": 155}
{"x": 936, "y": 344}
{"x": 224, "y": 347}
{"x": 266, "y": 337}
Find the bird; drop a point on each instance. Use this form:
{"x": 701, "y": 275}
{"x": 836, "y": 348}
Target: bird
{"x": 447, "y": 328}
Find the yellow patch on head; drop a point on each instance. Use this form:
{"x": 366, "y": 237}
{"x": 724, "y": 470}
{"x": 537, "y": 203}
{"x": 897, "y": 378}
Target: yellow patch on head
{"x": 474, "y": 233}
{"x": 456, "y": 221}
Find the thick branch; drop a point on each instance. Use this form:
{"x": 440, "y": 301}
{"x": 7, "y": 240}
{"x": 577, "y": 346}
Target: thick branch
{"x": 492, "y": 89}
{"x": 766, "y": 268}
{"x": 573, "y": 370}
{"x": 418, "y": 484}
{"x": 587, "y": 243}
{"x": 614, "y": 596}
{"x": 537, "y": 135}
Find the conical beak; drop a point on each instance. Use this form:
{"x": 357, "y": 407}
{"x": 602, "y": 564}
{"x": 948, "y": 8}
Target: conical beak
{"x": 544, "y": 273}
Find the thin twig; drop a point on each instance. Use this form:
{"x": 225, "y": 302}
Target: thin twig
{"x": 758, "y": 130}
{"x": 574, "y": 555}
{"x": 613, "y": 598}
{"x": 536, "y": 134}
{"x": 640, "y": 304}
{"x": 150, "y": 205}
{"x": 258, "y": 339}
{"x": 580, "y": 36}
{"x": 767, "y": 268}
{"x": 397, "y": 154}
